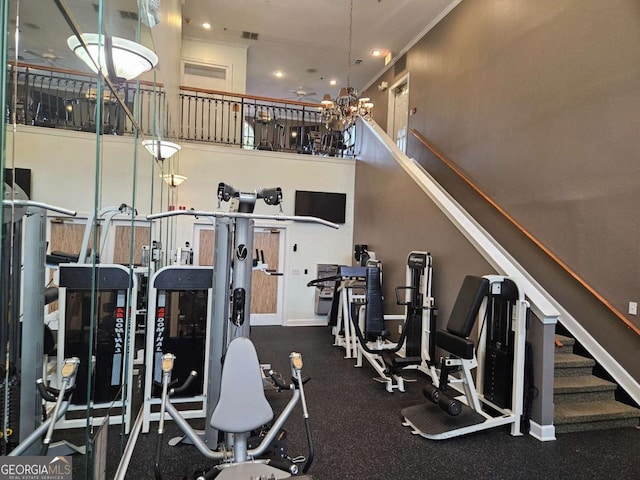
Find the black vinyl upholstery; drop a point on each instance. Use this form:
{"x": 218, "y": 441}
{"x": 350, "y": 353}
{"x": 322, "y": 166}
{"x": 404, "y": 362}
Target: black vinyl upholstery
{"x": 374, "y": 313}
{"x": 463, "y": 317}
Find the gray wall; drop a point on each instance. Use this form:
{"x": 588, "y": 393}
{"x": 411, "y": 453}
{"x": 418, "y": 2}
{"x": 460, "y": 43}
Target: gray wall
{"x": 393, "y": 216}
{"x": 539, "y": 103}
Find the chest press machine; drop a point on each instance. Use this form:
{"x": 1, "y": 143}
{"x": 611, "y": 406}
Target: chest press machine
{"x": 458, "y": 405}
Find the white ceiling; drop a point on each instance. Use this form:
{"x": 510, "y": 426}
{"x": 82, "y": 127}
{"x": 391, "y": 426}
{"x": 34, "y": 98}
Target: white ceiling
{"x": 299, "y": 36}
{"x": 294, "y": 36}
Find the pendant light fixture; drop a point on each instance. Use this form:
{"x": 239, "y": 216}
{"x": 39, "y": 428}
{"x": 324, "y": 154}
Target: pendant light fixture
{"x": 345, "y": 109}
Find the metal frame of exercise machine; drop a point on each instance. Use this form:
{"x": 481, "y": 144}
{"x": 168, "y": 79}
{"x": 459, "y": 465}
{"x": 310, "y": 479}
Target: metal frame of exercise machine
{"x": 77, "y": 280}
{"x": 233, "y": 259}
{"x": 496, "y": 397}
{"x": 27, "y": 292}
{"x": 113, "y": 359}
{"x": 160, "y": 321}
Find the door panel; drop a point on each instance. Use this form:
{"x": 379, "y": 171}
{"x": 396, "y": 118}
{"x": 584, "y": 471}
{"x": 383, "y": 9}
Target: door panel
{"x": 264, "y": 297}
{"x": 265, "y": 289}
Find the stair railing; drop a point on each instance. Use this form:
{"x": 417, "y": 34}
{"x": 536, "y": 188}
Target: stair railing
{"x": 543, "y": 305}
{"x": 525, "y": 232}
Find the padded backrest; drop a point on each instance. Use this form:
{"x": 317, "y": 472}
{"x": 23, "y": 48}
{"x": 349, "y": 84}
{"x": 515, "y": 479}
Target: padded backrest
{"x": 465, "y": 310}
{"x": 374, "y": 314}
{"x": 242, "y": 406}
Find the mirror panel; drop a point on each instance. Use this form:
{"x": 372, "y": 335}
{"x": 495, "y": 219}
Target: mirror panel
{"x": 78, "y": 135}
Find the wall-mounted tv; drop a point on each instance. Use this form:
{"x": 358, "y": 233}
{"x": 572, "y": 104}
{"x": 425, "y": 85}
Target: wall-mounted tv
{"x": 327, "y": 205}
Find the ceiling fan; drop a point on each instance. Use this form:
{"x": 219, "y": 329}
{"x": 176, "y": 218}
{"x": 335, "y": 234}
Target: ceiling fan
{"x": 48, "y": 56}
{"x": 302, "y": 94}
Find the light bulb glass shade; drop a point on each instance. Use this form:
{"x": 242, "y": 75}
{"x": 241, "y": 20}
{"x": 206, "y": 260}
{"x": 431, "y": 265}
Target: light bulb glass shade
{"x": 130, "y": 59}
{"x": 172, "y": 179}
{"x": 161, "y": 149}
{"x": 327, "y": 100}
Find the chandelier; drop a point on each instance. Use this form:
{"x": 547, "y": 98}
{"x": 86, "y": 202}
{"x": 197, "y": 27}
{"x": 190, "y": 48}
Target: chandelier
{"x": 344, "y": 110}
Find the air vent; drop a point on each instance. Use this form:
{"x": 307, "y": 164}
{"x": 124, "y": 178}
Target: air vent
{"x": 205, "y": 71}
{"x": 400, "y": 65}
{"x": 128, "y": 15}
{"x": 250, "y": 35}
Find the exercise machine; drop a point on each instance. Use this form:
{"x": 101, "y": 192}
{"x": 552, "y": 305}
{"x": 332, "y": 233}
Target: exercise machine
{"x": 96, "y": 304}
{"x": 228, "y": 316}
{"x": 241, "y": 409}
{"x": 358, "y": 322}
{"x": 23, "y": 348}
{"x": 456, "y": 404}
{"x": 179, "y": 321}
{"x": 414, "y": 349}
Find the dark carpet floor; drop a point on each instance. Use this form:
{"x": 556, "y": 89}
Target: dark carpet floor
{"x": 358, "y": 433}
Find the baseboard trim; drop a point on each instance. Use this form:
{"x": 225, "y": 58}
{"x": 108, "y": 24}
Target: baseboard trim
{"x": 306, "y": 322}
{"x": 544, "y": 433}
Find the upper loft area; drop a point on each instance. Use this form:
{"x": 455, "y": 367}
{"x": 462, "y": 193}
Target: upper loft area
{"x": 253, "y": 77}
{"x": 58, "y": 98}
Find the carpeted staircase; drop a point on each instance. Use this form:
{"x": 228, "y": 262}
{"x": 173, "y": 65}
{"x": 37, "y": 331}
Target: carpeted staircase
{"x": 582, "y": 400}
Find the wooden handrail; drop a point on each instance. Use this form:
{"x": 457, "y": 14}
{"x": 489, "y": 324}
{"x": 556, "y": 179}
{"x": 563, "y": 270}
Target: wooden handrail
{"x": 160, "y": 85}
{"x": 65, "y": 71}
{"x": 524, "y": 231}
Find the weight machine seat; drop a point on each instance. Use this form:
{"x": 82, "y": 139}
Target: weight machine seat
{"x": 463, "y": 317}
{"x": 242, "y": 406}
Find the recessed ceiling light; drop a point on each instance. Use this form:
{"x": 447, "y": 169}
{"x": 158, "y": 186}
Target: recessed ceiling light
{"x": 376, "y": 52}
{"x": 333, "y": 82}
{"x": 279, "y": 74}
{"x": 206, "y": 26}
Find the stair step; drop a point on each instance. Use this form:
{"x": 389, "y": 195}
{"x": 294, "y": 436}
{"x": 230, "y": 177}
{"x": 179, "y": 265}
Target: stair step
{"x": 567, "y": 344}
{"x": 587, "y": 388}
{"x": 570, "y": 364}
{"x": 582, "y": 416}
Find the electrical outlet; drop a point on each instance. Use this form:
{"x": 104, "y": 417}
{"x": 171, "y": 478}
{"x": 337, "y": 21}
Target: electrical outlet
{"x": 633, "y": 308}
{"x": 295, "y": 271}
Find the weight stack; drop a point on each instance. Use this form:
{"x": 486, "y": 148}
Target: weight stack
{"x": 498, "y": 376}
{"x": 13, "y": 423}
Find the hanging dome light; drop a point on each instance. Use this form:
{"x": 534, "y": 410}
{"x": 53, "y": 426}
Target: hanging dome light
{"x": 119, "y": 57}
{"x": 161, "y": 149}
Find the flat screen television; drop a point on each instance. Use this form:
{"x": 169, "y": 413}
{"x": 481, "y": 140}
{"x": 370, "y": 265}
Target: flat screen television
{"x": 326, "y": 205}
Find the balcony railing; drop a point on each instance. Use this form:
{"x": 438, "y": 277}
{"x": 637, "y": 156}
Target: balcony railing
{"x": 57, "y": 98}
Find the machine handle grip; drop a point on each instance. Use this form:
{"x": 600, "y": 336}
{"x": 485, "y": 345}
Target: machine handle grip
{"x": 192, "y": 375}
{"x": 304, "y": 381}
{"x": 402, "y": 302}
{"x": 44, "y": 392}
{"x": 278, "y": 381}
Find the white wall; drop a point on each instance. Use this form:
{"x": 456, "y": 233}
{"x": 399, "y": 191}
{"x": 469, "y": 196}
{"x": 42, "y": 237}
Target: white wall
{"x": 232, "y": 57}
{"x": 62, "y": 164}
